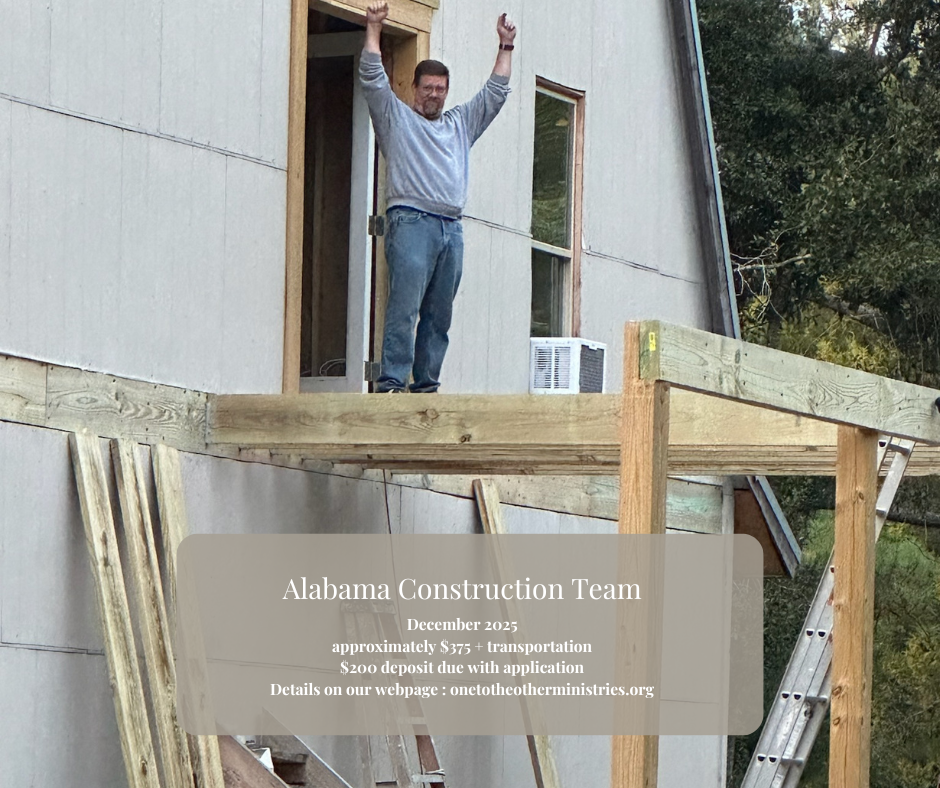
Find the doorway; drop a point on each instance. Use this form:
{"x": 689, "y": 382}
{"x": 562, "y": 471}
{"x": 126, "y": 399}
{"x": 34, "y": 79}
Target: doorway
{"x": 339, "y": 196}
{"x": 335, "y": 274}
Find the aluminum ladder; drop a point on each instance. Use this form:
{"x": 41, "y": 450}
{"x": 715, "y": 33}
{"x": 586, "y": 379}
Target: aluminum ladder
{"x": 802, "y": 699}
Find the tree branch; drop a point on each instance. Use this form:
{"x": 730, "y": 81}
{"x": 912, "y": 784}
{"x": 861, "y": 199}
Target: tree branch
{"x": 865, "y": 314}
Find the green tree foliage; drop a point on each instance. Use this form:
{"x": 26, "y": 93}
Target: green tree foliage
{"x": 830, "y": 165}
{"x": 827, "y": 120}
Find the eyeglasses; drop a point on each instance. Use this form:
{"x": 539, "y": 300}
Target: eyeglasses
{"x": 436, "y": 90}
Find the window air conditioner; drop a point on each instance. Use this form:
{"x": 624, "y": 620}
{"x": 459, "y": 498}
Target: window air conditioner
{"x": 566, "y": 366}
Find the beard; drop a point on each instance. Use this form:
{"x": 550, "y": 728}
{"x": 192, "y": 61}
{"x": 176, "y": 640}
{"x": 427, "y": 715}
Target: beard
{"x": 431, "y": 110}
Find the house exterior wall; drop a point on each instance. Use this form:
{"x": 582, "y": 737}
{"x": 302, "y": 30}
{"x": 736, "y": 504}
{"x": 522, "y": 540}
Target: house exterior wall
{"x": 142, "y": 185}
{"x": 142, "y": 188}
{"x": 142, "y": 233}
{"x": 53, "y": 671}
{"x": 641, "y": 245}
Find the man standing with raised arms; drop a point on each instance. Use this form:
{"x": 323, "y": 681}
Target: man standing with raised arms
{"x": 428, "y": 155}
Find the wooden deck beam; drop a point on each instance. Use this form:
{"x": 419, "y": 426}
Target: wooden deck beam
{"x": 725, "y": 367}
{"x": 523, "y": 434}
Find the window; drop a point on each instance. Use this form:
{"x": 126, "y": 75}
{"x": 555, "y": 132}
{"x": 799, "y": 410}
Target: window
{"x": 556, "y": 210}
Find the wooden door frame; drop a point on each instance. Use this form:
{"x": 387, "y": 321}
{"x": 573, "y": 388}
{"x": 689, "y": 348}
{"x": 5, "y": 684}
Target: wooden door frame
{"x": 409, "y": 23}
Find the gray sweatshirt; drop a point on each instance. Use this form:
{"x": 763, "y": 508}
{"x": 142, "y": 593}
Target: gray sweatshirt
{"x": 428, "y": 160}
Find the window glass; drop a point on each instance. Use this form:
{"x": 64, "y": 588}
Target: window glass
{"x": 547, "y": 294}
{"x": 551, "y": 176}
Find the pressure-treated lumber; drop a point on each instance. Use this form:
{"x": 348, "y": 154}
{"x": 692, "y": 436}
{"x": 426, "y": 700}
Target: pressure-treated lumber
{"x": 120, "y": 408}
{"x": 168, "y": 477}
{"x": 242, "y": 769}
{"x": 644, "y": 437}
{"x": 690, "y": 506}
{"x": 294, "y": 232}
{"x": 540, "y": 749}
{"x": 760, "y": 375}
{"x": 404, "y": 16}
{"x": 151, "y": 612}
{"x": 22, "y": 390}
{"x": 126, "y": 684}
{"x": 853, "y": 609}
{"x": 514, "y": 433}
{"x": 708, "y": 435}
{"x": 644, "y": 441}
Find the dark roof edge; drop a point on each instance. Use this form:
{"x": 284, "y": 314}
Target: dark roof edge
{"x": 701, "y": 139}
{"x": 724, "y": 311}
{"x": 787, "y": 547}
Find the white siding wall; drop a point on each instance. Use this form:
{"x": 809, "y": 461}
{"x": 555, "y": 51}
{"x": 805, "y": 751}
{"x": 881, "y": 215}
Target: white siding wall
{"x": 142, "y": 183}
{"x": 51, "y": 662}
{"x": 642, "y": 251}
{"x": 142, "y": 187}
{"x": 142, "y": 156}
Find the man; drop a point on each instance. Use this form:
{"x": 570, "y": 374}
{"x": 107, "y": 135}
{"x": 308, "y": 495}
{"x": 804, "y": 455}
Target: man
{"x": 428, "y": 152}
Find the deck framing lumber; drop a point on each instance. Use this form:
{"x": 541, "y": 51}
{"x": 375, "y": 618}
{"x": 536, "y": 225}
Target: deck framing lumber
{"x": 725, "y": 367}
{"x": 168, "y": 477}
{"x": 644, "y": 437}
{"x": 853, "y": 609}
{"x": 127, "y": 686}
{"x": 541, "y": 753}
{"x": 709, "y": 435}
{"x": 151, "y": 611}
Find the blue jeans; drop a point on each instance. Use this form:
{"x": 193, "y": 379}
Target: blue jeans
{"x": 425, "y": 260}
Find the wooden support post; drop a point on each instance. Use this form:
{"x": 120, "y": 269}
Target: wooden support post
{"x": 853, "y": 608}
{"x": 126, "y": 685}
{"x": 207, "y": 762}
{"x": 296, "y": 130}
{"x": 540, "y": 747}
{"x": 151, "y": 611}
{"x": 644, "y": 434}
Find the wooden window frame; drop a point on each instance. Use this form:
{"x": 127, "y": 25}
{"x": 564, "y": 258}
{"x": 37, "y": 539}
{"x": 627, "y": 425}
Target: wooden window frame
{"x": 572, "y": 292}
{"x": 409, "y": 24}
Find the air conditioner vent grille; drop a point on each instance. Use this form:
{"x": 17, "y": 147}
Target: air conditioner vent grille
{"x": 592, "y": 370}
{"x": 566, "y": 366}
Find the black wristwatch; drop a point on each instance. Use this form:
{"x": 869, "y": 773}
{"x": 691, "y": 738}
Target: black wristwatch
{"x": 507, "y": 47}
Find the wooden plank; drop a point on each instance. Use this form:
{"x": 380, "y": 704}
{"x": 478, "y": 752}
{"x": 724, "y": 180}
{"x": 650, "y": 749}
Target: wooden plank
{"x": 469, "y": 420}
{"x": 116, "y": 407}
{"x": 853, "y": 609}
{"x": 592, "y": 461}
{"x": 241, "y": 769}
{"x": 126, "y": 685}
{"x": 763, "y": 376}
{"x": 22, "y": 391}
{"x": 690, "y": 506}
{"x": 404, "y": 16}
{"x": 151, "y": 612}
{"x": 294, "y": 253}
{"x": 168, "y": 477}
{"x": 644, "y": 434}
{"x": 577, "y": 210}
{"x": 457, "y": 420}
{"x": 405, "y": 57}
{"x": 540, "y": 749}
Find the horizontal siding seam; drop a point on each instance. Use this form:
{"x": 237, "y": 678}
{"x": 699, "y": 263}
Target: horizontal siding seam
{"x": 143, "y": 132}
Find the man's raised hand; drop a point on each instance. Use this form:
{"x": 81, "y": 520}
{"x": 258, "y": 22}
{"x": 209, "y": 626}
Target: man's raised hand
{"x": 506, "y": 30}
{"x": 376, "y": 13}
